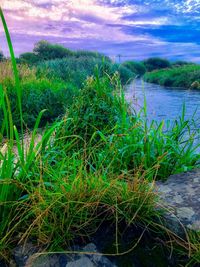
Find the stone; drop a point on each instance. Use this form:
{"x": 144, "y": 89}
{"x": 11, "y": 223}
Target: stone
{"x": 180, "y": 196}
{"x": 83, "y": 261}
{"x": 23, "y": 252}
{"x": 185, "y": 213}
{"x": 43, "y": 261}
{"x": 98, "y": 259}
{"x": 26, "y": 256}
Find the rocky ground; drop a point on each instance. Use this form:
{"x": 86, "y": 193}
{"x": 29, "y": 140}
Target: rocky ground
{"x": 27, "y": 256}
{"x": 180, "y": 195}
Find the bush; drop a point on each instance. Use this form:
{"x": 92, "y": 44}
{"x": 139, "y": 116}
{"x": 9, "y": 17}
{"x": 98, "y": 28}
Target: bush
{"x": 28, "y": 58}
{"x": 181, "y": 76}
{"x": 125, "y": 74}
{"x": 47, "y": 51}
{"x": 136, "y": 67}
{"x": 155, "y": 63}
{"x": 94, "y": 109}
{"x": 38, "y": 95}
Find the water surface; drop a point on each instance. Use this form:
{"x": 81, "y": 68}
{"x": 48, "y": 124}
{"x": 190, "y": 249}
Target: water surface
{"x": 163, "y": 102}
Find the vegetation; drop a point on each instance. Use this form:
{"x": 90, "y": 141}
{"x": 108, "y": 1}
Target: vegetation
{"x": 179, "y": 63}
{"x": 187, "y": 76}
{"x": 156, "y": 63}
{"x": 37, "y": 94}
{"x": 53, "y": 84}
{"x": 92, "y": 165}
{"x": 28, "y": 58}
{"x": 2, "y": 58}
{"x": 45, "y": 51}
{"x": 76, "y": 70}
{"x": 136, "y": 67}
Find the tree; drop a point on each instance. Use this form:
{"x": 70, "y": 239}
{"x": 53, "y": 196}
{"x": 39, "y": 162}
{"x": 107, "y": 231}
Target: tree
{"x": 137, "y": 67}
{"x": 156, "y": 63}
{"x": 29, "y": 58}
{"x": 46, "y": 51}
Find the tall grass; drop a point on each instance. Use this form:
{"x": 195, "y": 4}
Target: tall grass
{"x": 76, "y": 69}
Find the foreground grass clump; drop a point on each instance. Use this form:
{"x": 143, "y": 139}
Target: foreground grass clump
{"x": 186, "y": 76}
{"x": 55, "y": 212}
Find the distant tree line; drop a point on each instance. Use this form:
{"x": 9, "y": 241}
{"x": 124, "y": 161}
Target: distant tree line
{"x": 44, "y": 51}
{"x": 152, "y": 64}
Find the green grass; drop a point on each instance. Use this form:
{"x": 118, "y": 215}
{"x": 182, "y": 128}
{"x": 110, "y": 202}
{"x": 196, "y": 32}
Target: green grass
{"x": 92, "y": 165}
{"x": 37, "y": 95}
{"x": 187, "y": 76}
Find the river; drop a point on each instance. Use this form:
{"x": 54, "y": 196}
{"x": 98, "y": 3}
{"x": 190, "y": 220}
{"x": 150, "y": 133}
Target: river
{"x": 163, "y": 102}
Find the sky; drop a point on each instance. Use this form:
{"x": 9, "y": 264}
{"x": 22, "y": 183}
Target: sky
{"x": 134, "y": 29}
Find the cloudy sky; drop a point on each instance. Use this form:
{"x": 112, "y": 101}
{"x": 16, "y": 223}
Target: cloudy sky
{"x": 133, "y": 28}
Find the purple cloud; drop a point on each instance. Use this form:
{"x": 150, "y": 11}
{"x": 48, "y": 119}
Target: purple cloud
{"x": 137, "y": 30}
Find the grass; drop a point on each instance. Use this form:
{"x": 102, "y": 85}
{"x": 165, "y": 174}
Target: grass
{"x": 92, "y": 166}
{"x": 186, "y": 76}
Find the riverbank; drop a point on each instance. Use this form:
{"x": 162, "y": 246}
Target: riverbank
{"x": 186, "y": 76}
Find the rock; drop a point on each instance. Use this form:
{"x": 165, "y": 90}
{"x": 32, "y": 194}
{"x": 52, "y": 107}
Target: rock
{"x": 23, "y": 252}
{"x": 180, "y": 196}
{"x": 43, "y": 261}
{"x": 97, "y": 259}
{"x": 83, "y": 261}
{"x": 26, "y": 256}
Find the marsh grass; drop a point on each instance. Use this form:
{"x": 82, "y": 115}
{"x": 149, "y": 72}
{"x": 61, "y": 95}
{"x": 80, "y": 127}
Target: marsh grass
{"x": 91, "y": 166}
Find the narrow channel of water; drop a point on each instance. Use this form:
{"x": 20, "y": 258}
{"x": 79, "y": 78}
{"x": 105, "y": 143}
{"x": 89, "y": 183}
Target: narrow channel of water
{"x": 163, "y": 102}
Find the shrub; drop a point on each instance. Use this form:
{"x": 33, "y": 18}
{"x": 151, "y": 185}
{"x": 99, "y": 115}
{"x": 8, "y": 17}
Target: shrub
{"x": 38, "y": 95}
{"x": 29, "y": 58}
{"x": 136, "y": 67}
{"x": 94, "y": 109}
{"x": 155, "y": 63}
